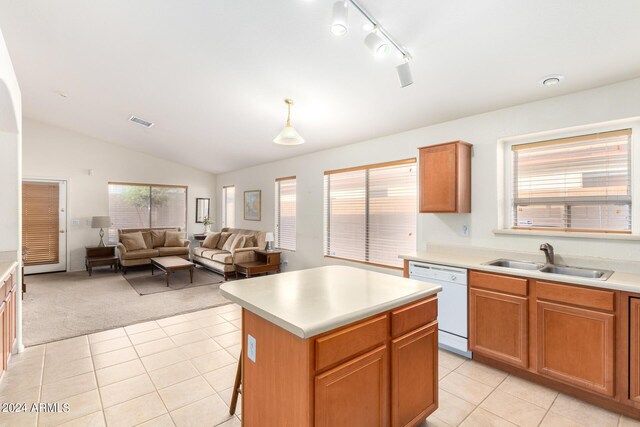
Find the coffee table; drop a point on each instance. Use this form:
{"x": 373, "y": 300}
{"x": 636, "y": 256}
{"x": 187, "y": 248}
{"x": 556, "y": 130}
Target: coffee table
{"x": 171, "y": 264}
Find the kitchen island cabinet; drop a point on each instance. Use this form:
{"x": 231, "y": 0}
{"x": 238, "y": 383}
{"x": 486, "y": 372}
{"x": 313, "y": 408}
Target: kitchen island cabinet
{"x": 337, "y": 346}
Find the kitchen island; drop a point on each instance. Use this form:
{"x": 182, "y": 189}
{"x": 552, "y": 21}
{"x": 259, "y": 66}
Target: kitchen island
{"x": 335, "y": 346}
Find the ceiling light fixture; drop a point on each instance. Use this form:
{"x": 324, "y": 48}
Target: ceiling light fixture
{"x": 376, "y": 40}
{"x": 377, "y": 44}
{"x": 288, "y": 135}
{"x": 340, "y": 17}
{"x": 552, "y": 80}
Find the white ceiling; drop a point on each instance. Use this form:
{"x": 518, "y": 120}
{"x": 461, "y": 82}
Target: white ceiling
{"x": 212, "y": 74}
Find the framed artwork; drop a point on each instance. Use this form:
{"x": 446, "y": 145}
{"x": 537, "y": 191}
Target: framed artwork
{"x": 202, "y": 210}
{"x": 252, "y": 202}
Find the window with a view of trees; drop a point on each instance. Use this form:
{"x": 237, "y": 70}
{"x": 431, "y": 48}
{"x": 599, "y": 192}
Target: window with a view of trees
{"x": 146, "y": 206}
{"x": 370, "y": 213}
{"x": 581, "y": 183}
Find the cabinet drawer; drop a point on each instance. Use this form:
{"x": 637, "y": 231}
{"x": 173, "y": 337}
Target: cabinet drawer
{"x": 413, "y": 316}
{"x": 351, "y": 341}
{"x": 498, "y": 282}
{"x": 576, "y": 295}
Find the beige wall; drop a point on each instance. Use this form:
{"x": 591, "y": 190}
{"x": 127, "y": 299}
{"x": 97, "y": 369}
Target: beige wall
{"x": 603, "y": 104}
{"x": 52, "y": 152}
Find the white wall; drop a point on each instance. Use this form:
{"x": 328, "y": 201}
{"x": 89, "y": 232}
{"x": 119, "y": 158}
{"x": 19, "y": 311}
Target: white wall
{"x": 52, "y": 152}
{"x": 603, "y": 104}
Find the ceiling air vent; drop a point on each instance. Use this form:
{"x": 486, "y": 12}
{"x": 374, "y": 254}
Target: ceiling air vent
{"x": 139, "y": 121}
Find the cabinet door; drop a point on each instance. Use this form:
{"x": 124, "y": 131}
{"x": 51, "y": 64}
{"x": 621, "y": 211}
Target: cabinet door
{"x": 576, "y": 346}
{"x": 414, "y": 376}
{"x": 12, "y": 319}
{"x": 8, "y": 312}
{"x": 634, "y": 349}
{"x": 438, "y": 179}
{"x": 354, "y": 393}
{"x": 498, "y": 326}
{"x": 5, "y": 338}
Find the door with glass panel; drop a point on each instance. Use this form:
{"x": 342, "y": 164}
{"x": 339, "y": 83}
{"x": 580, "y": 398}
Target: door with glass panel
{"x": 44, "y": 225}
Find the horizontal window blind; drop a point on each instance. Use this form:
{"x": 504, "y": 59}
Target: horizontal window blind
{"x": 574, "y": 184}
{"x": 370, "y": 213}
{"x": 285, "y": 227}
{"x": 228, "y": 206}
{"x": 40, "y": 222}
{"x": 146, "y": 206}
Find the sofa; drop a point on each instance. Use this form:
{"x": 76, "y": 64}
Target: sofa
{"x": 221, "y": 250}
{"x": 132, "y": 252}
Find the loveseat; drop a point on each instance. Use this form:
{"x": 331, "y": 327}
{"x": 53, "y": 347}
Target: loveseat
{"x": 133, "y": 251}
{"x": 221, "y": 250}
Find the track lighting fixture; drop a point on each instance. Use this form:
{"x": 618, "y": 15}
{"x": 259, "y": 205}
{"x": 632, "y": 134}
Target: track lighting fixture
{"x": 288, "y": 135}
{"x": 377, "y": 44}
{"x": 340, "y": 17}
{"x": 378, "y": 40}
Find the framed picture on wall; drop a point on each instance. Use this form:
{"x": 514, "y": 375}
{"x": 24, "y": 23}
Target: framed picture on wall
{"x": 202, "y": 209}
{"x": 252, "y": 205}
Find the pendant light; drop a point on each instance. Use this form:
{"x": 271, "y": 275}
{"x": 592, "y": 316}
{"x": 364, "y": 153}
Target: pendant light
{"x": 288, "y": 135}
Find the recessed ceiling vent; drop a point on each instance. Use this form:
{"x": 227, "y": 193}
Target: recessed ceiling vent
{"x": 140, "y": 121}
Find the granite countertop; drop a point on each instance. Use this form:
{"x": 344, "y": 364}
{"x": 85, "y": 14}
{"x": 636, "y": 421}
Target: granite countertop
{"x": 621, "y": 281}
{"x": 6, "y": 267}
{"x": 310, "y": 302}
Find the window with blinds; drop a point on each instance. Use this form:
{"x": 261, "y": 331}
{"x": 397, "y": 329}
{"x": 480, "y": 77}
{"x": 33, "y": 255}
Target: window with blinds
{"x": 370, "y": 213}
{"x": 285, "y": 203}
{"x": 228, "y": 206}
{"x": 581, "y": 183}
{"x": 146, "y": 206}
{"x": 40, "y": 222}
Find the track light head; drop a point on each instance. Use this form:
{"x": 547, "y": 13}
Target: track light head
{"x": 339, "y": 21}
{"x": 377, "y": 44}
{"x": 404, "y": 74}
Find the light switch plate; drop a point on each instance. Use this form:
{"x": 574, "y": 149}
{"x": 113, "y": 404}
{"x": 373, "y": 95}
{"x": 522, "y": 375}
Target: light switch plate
{"x": 75, "y": 222}
{"x": 251, "y": 348}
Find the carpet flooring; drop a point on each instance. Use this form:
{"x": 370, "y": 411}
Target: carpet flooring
{"x": 145, "y": 284}
{"x": 64, "y": 305}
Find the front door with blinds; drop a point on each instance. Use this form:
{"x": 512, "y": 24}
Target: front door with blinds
{"x": 44, "y": 222}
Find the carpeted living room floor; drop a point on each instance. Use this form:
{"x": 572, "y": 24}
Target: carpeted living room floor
{"x": 65, "y": 305}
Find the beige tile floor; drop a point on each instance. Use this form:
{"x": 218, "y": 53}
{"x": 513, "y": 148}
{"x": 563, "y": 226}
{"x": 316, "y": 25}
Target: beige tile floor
{"x": 179, "y": 371}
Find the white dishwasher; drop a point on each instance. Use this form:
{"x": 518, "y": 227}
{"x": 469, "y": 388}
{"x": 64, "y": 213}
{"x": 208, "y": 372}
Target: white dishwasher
{"x": 452, "y": 303}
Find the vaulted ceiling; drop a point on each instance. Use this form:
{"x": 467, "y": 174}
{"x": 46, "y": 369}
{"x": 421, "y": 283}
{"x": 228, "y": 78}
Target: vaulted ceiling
{"x": 212, "y": 75}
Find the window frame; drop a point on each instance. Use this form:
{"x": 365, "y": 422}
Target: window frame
{"x": 505, "y": 217}
{"x": 277, "y": 210}
{"x": 224, "y": 219}
{"x": 325, "y": 207}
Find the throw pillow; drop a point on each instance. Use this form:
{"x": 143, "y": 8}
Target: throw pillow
{"x": 148, "y": 240}
{"x": 133, "y": 241}
{"x": 227, "y": 245}
{"x": 223, "y": 239}
{"x": 250, "y": 242}
{"x": 238, "y": 242}
{"x": 158, "y": 237}
{"x": 173, "y": 239}
{"x": 211, "y": 241}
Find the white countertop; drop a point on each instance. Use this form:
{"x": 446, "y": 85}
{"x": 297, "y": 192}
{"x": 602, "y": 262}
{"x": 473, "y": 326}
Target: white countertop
{"x": 6, "y": 267}
{"x": 622, "y": 281}
{"x": 310, "y": 302}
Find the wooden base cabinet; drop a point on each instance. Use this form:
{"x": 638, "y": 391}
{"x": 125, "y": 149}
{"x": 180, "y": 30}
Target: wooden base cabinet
{"x": 8, "y": 292}
{"x": 379, "y": 372}
{"x": 634, "y": 349}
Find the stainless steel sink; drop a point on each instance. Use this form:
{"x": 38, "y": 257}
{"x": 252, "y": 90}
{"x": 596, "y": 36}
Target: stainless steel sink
{"x": 520, "y": 265}
{"x": 577, "y": 272}
{"x": 551, "y": 268}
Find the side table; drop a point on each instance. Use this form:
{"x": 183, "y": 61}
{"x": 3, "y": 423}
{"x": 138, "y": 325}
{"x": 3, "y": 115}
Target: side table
{"x": 96, "y": 256}
{"x": 266, "y": 262}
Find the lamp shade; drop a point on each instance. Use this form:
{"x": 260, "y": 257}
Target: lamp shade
{"x": 101, "y": 222}
{"x": 268, "y": 237}
{"x": 288, "y": 136}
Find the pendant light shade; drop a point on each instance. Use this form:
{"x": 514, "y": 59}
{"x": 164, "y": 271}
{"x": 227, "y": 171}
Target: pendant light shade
{"x": 288, "y": 135}
{"x": 339, "y": 19}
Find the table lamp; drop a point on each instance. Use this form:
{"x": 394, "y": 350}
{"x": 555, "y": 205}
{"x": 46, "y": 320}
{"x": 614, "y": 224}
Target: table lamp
{"x": 268, "y": 237}
{"x": 101, "y": 222}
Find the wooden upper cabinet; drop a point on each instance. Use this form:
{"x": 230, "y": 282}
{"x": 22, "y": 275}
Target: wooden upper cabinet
{"x": 445, "y": 178}
{"x": 634, "y": 349}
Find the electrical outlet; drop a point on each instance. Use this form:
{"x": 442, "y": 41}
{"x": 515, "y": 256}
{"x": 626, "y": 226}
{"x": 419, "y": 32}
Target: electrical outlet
{"x": 465, "y": 230}
{"x": 251, "y": 348}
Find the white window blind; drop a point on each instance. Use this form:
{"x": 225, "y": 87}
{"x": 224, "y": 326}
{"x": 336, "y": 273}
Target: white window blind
{"x": 146, "y": 206}
{"x": 228, "y": 206}
{"x": 581, "y": 183}
{"x": 370, "y": 213}
{"x": 285, "y": 227}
